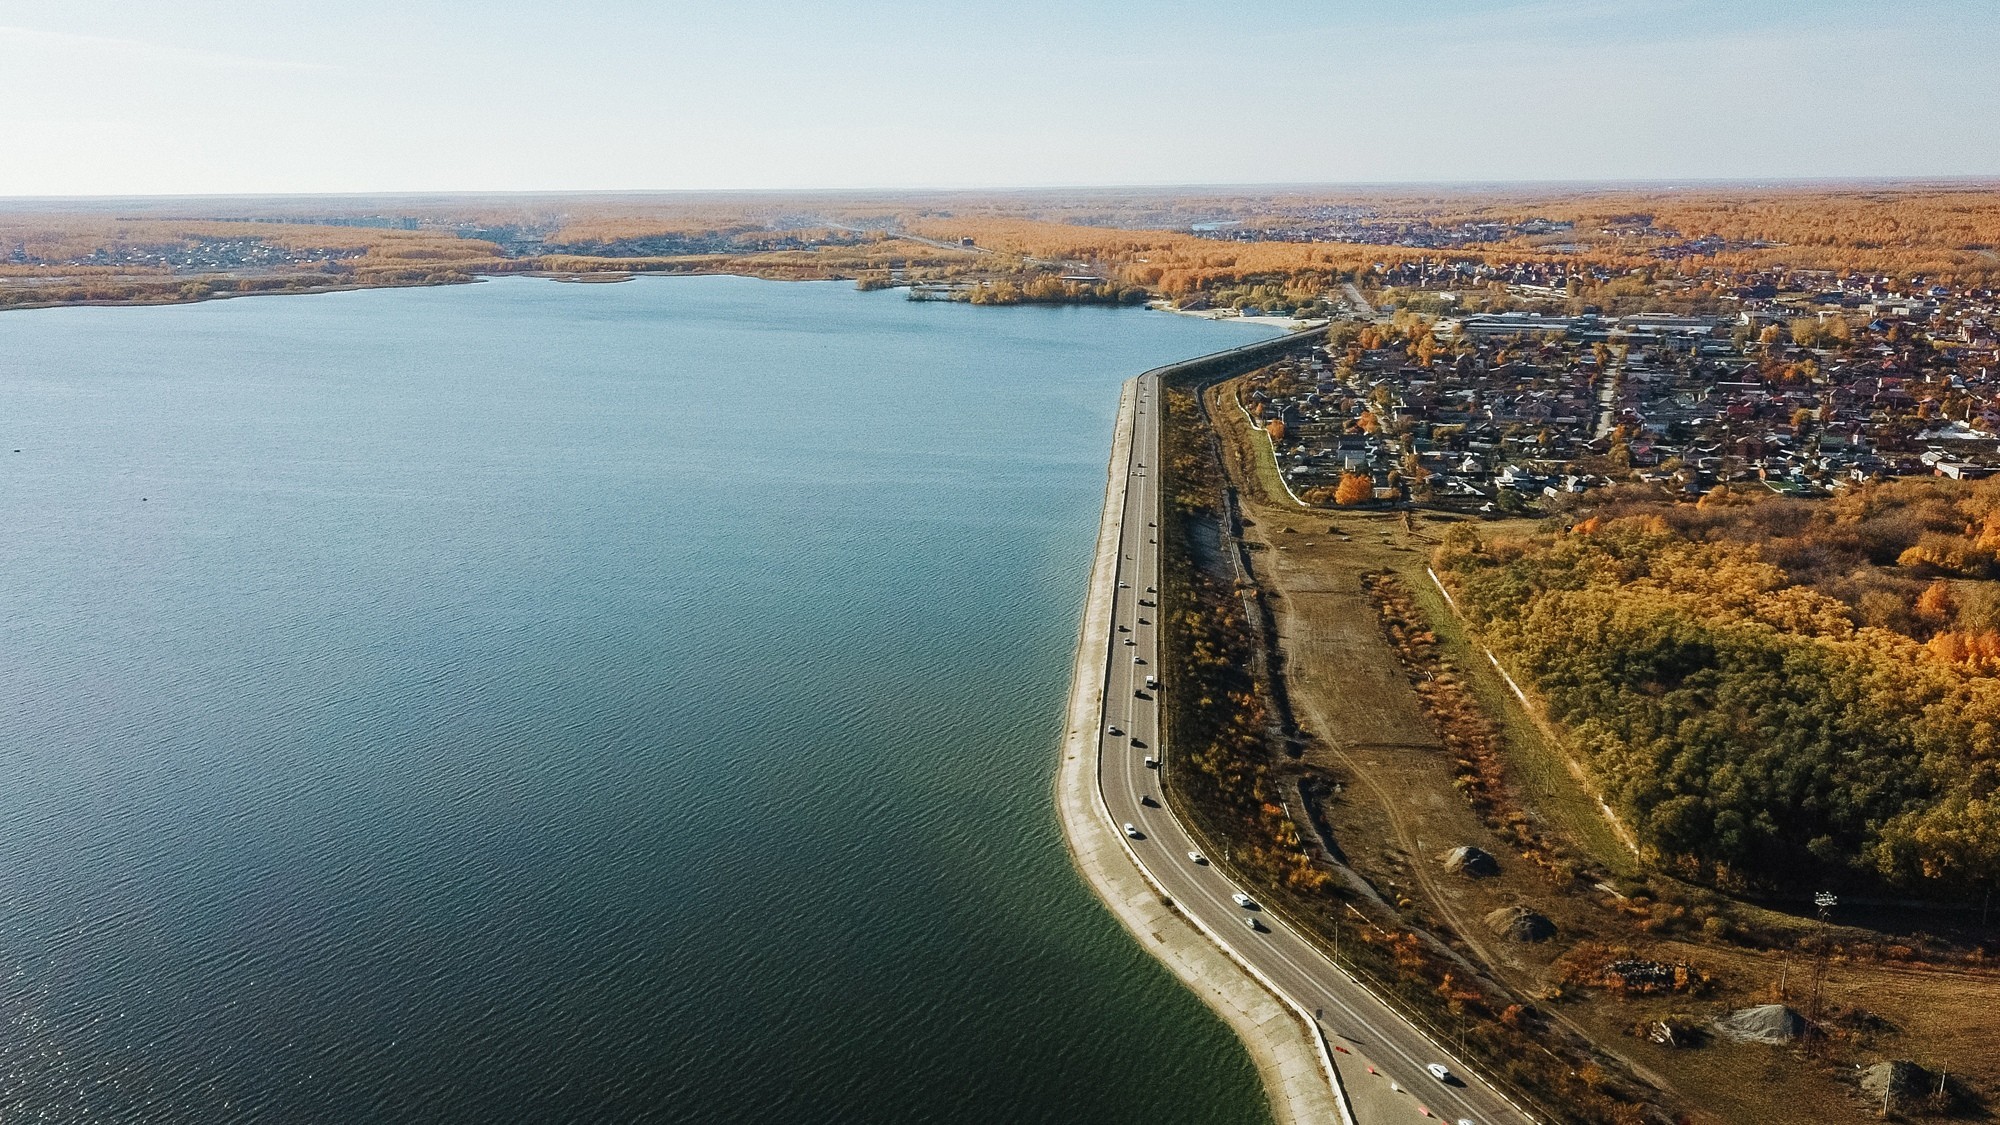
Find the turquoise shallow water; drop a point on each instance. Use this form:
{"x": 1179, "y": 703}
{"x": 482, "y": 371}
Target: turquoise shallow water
{"x": 539, "y": 702}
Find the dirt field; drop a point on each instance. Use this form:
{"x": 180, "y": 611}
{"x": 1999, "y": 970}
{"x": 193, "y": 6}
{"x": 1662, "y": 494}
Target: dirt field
{"x": 1397, "y": 812}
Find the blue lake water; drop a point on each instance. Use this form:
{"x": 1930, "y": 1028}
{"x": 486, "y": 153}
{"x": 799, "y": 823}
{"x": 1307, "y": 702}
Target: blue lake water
{"x": 541, "y": 702}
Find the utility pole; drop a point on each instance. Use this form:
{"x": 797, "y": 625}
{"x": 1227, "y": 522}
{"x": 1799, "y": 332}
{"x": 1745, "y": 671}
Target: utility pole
{"x": 1825, "y": 902}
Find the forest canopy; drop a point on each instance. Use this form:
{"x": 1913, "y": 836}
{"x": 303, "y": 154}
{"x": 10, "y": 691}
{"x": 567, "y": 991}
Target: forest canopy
{"x": 1770, "y": 690}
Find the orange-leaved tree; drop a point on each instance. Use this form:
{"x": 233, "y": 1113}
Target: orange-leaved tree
{"x": 1354, "y": 488}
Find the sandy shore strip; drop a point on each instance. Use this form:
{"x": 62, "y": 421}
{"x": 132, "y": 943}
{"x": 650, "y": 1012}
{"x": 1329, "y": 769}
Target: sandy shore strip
{"x": 1284, "y": 1050}
{"x": 1285, "y": 323}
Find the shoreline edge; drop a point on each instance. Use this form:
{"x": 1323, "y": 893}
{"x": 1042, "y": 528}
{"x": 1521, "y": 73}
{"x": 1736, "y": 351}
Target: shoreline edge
{"x": 1286, "y": 1056}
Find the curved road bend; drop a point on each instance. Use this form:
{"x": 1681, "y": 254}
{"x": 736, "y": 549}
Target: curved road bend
{"x": 1365, "y": 1032}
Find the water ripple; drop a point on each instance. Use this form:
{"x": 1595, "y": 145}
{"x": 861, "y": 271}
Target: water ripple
{"x": 531, "y": 702}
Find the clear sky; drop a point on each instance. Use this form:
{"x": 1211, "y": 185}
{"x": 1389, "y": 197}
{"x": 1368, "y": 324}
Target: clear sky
{"x": 199, "y": 96}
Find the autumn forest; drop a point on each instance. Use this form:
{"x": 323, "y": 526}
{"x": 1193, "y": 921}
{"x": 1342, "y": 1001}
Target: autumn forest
{"x": 1150, "y": 243}
{"x": 1771, "y": 688}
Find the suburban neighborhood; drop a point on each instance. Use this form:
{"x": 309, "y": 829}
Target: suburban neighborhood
{"x": 1794, "y": 382}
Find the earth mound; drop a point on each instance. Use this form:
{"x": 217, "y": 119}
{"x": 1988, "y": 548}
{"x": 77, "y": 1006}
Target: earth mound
{"x": 1520, "y": 924}
{"x": 1765, "y": 1023}
{"x": 1471, "y": 861}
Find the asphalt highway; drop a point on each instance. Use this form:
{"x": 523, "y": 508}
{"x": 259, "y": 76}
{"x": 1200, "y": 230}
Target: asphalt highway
{"x": 1381, "y": 1056}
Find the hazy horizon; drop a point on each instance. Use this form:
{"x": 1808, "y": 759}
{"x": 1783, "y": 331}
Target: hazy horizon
{"x": 227, "y": 98}
{"x": 1066, "y": 190}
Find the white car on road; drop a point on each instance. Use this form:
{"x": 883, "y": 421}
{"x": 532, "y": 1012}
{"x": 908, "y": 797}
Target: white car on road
{"x": 1243, "y": 900}
{"x": 1131, "y": 831}
{"x": 1438, "y": 1071}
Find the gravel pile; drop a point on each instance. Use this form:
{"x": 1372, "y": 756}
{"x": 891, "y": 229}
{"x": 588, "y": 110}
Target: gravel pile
{"x": 1765, "y": 1023}
{"x": 1520, "y": 924}
{"x": 1901, "y": 1079}
{"x": 1471, "y": 861}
